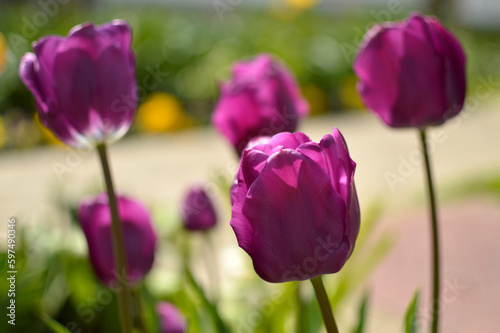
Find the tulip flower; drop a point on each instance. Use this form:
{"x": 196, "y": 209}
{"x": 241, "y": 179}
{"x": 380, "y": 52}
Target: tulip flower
{"x": 295, "y": 208}
{"x": 411, "y": 73}
{"x": 139, "y": 237}
{"x": 198, "y": 213}
{"x": 171, "y": 320}
{"x": 84, "y": 84}
{"x": 261, "y": 99}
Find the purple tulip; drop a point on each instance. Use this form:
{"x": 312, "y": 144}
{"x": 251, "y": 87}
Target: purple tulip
{"x": 295, "y": 208}
{"x": 84, "y": 84}
{"x": 411, "y": 73}
{"x": 139, "y": 237}
{"x": 262, "y": 98}
{"x": 171, "y": 320}
{"x": 197, "y": 212}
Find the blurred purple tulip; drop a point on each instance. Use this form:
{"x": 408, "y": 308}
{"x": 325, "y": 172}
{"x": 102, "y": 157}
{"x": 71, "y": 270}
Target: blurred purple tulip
{"x": 295, "y": 209}
{"x": 171, "y": 320}
{"x": 139, "y": 237}
{"x": 411, "y": 73}
{"x": 84, "y": 84}
{"x": 262, "y": 98}
{"x": 197, "y": 211}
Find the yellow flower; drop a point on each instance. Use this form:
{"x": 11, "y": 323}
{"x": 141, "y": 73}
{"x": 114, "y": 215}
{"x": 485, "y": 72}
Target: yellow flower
{"x": 316, "y": 98}
{"x": 301, "y": 4}
{"x": 3, "y": 53}
{"x": 47, "y": 135}
{"x": 348, "y": 94}
{"x": 2, "y": 134}
{"x": 161, "y": 112}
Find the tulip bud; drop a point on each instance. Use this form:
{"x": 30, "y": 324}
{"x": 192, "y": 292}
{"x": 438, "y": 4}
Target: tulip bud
{"x": 198, "y": 213}
{"x": 139, "y": 237}
{"x": 84, "y": 84}
{"x": 261, "y": 99}
{"x": 170, "y": 318}
{"x": 411, "y": 73}
{"x": 295, "y": 209}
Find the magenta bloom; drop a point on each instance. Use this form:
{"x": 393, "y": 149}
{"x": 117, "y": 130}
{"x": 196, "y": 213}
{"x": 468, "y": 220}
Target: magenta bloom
{"x": 411, "y": 73}
{"x": 171, "y": 320}
{"x": 262, "y": 98}
{"x": 139, "y": 237}
{"x": 197, "y": 212}
{"x": 295, "y": 208}
{"x": 84, "y": 84}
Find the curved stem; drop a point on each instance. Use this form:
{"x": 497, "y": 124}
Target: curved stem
{"x": 212, "y": 264}
{"x": 302, "y": 324}
{"x": 137, "y": 299}
{"x": 123, "y": 291}
{"x": 435, "y": 236}
{"x": 324, "y": 304}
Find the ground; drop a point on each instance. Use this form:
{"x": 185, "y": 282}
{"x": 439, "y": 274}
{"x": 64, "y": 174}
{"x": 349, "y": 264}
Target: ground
{"x": 158, "y": 169}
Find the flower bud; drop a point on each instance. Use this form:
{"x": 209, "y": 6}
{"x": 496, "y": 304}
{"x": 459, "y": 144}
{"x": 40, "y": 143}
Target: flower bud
{"x": 139, "y": 237}
{"x": 411, "y": 73}
{"x": 171, "y": 320}
{"x": 198, "y": 213}
{"x": 84, "y": 84}
{"x": 261, "y": 99}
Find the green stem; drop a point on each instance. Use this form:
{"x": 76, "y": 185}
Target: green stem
{"x": 137, "y": 299}
{"x": 123, "y": 291}
{"x": 212, "y": 308}
{"x": 324, "y": 304}
{"x": 212, "y": 264}
{"x": 302, "y": 324}
{"x": 435, "y": 236}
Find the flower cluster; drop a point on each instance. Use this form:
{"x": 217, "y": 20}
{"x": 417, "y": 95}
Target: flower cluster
{"x": 295, "y": 208}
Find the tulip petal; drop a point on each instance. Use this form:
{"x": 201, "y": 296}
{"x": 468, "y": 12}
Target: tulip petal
{"x": 420, "y": 75}
{"x": 96, "y": 39}
{"x": 114, "y": 85}
{"x": 293, "y": 204}
{"x": 252, "y": 163}
{"x": 117, "y": 31}
{"x": 170, "y": 319}
{"x": 139, "y": 237}
{"x": 197, "y": 210}
{"x": 376, "y": 65}
{"x": 236, "y": 117}
{"x": 455, "y": 77}
{"x": 331, "y": 153}
{"x": 75, "y": 84}
{"x": 28, "y": 72}
{"x": 412, "y": 73}
{"x": 270, "y": 145}
{"x": 259, "y": 100}
{"x": 46, "y": 49}
{"x": 292, "y": 87}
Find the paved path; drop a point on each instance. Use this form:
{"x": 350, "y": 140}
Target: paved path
{"x": 158, "y": 169}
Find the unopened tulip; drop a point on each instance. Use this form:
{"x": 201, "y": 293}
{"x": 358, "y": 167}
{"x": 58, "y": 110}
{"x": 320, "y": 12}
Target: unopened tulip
{"x": 171, "y": 320}
{"x": 411, "y": 73}
{"x": 84, "y": 84}
{"x": 198, "y": 212}
{"x": 295, "y": 209}
{"x": 139, "y": 237}
{"x": 261, "y": 99}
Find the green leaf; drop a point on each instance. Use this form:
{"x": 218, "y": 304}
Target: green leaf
{"x": 362, "y": 313}
{"x": 411, "y": 314}
{"x": 212, "y": 309}
{"x": 53, "y": 325}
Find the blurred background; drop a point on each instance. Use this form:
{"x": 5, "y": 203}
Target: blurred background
{"x": 184, "y": 49}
